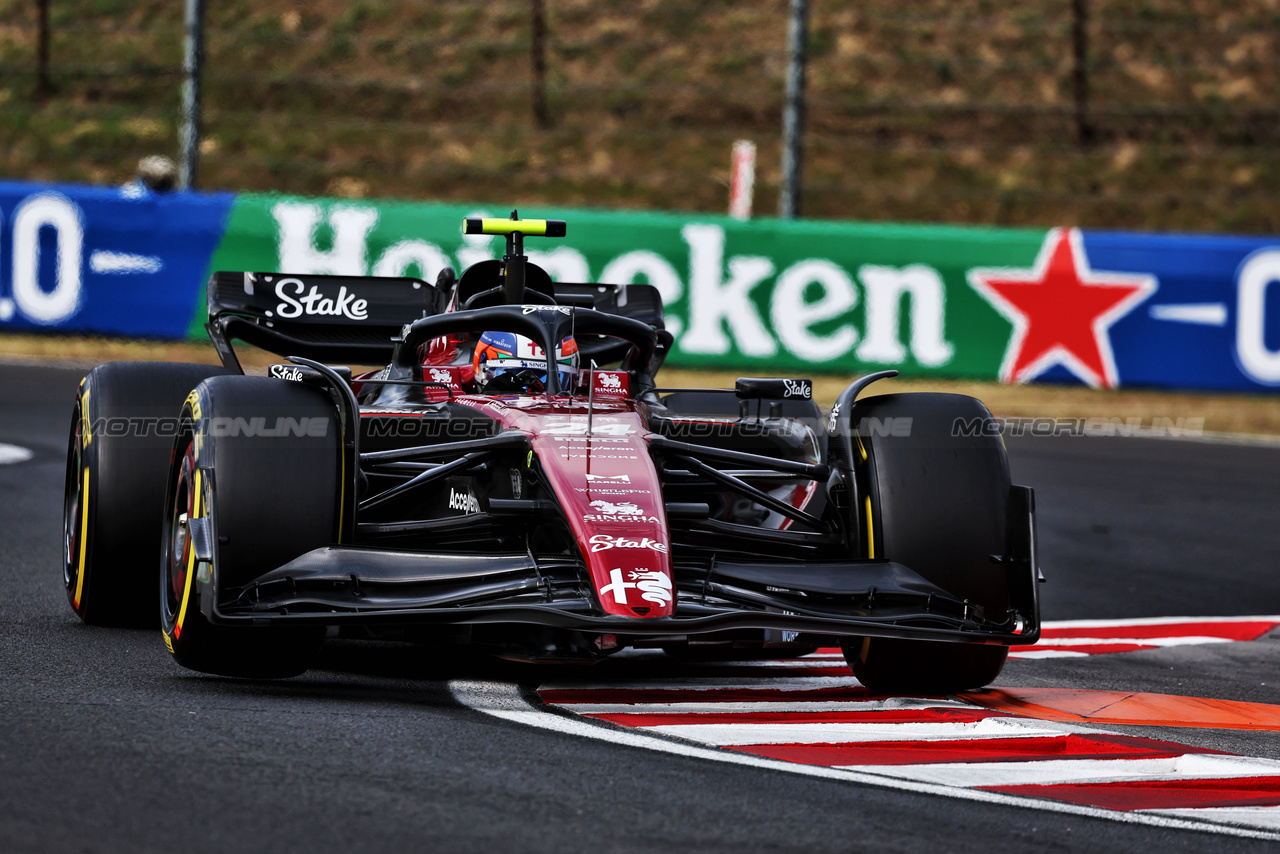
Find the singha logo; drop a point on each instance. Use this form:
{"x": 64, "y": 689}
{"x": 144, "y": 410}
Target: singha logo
{"x": 609, "y": 381}
{"x": 440, "y": 376}
{"x": 625, "y": 508}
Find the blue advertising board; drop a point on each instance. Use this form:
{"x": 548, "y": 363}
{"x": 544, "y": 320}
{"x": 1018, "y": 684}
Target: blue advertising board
{"x": 119, "y": 261}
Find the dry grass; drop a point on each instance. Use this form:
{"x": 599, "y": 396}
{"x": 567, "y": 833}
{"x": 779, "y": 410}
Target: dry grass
{"x": 955, "y": 111}
{"x": 1222, "y": 413}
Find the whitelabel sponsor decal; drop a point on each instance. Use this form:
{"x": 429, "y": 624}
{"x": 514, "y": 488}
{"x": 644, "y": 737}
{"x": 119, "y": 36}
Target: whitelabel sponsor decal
{"x": 653, "y": 585}
{"x": 604, "y": 542}
{"x": 608, "y": 478}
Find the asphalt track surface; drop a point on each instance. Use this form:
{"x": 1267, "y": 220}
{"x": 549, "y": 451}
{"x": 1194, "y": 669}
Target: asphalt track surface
{"x": 107, "y": 745}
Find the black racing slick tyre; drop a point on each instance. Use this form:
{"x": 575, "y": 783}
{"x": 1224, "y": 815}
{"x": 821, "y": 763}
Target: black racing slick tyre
{"x": 258, "y": 459}
{"x": 936, "y": 481}
{"x": 122, "y": 430}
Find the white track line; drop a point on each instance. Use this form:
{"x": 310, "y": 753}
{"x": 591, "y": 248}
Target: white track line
{"x": 505, "y": 702}
{"x": 1241, "y": 816}
{"x": 699, "y": 683}
{"x": 1173, "y": 640}
{"x": 850, "y": 733}
{"x": 1152, "y": 621}
{"x": 1050, "y": 772}
{"x": 761, "y": 706}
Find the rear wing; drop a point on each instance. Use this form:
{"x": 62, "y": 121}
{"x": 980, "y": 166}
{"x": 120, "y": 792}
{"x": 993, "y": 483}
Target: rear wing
{"x": 331, "y": 319}
{"x": 639, "y": 302}
{"x": 354, "y": 319}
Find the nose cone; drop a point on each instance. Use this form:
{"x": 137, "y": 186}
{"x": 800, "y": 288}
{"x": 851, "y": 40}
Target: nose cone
{"x": 610, "y": 492}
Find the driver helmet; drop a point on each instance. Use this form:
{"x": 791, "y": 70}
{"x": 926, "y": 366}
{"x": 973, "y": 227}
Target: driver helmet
{"x": 505, "y": 362}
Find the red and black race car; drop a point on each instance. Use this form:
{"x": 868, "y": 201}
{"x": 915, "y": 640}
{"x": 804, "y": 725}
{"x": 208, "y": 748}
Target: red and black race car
{"x": 514, "y": 479}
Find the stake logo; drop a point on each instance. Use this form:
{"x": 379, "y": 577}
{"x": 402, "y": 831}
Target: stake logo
{"x": 604, "y": 542}
{"x": 286, "y": 372}
{"x": 295, "y": 304}
{"x": 798, "y": 388}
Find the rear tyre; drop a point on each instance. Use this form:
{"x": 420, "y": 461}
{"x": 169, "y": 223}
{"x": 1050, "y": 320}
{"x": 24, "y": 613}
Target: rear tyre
{"x": 938, "y": 480}
{"x": 267, "y": 499}
{"x": 121, "y": 436}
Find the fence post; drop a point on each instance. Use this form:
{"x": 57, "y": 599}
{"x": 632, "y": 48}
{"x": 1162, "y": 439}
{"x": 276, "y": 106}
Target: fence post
{"x": 42, "y": 54}
{"x": 1080, "y": 69}
{"x": 192, "y": 64}
{"x": 793, "y": 111}
{"x": 538, "y": 48}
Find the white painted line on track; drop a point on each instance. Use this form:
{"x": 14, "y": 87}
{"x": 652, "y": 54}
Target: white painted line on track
{"x": 699, "y": 683}
{"x": 1176, "y": 640}
{"x": 852, "y": 733}
{"x": 504, "y": 701}
{"x": 10, "y": 454}
{"x": 1056, "y": 771}
{"x": 804, "y": 663}
{"x": 1153, "y": 621}
{"x": 760, "y": 706}
{"x": 1246, "y": 816}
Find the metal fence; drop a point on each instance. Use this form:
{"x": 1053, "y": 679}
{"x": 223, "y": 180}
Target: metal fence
{"x": 1111, "y": 113}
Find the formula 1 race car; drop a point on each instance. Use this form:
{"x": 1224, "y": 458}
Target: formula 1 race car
{"x": 514, "y": 479}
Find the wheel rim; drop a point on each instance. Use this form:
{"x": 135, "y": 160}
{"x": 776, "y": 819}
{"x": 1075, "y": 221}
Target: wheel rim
{"x": 73, "y": 506}
{"x": 177, "y": 540}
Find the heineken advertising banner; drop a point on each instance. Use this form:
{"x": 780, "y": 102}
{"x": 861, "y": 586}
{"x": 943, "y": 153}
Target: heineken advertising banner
{"x": 1102, "y": 308}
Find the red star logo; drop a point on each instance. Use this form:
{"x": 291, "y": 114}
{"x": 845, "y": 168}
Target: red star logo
{"x": 1061, "y": 311}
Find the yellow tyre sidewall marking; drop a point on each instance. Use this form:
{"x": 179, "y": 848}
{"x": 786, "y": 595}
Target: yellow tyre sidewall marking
{"x": 871, "y": 533}
{"x": 191, "y": 566}
{"x": 84, "y": 535}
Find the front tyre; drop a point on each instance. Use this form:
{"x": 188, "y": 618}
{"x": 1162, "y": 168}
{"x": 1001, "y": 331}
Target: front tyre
{"x": 937, "y": 481}
{"x": 256, "y": 469}
{"x": 894, "y": 665}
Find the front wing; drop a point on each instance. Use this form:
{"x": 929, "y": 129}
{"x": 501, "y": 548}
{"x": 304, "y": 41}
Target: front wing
{"x": 351, "y": 585}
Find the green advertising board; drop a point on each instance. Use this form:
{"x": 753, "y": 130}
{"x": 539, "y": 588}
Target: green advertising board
{"x": 761, "y": 295}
